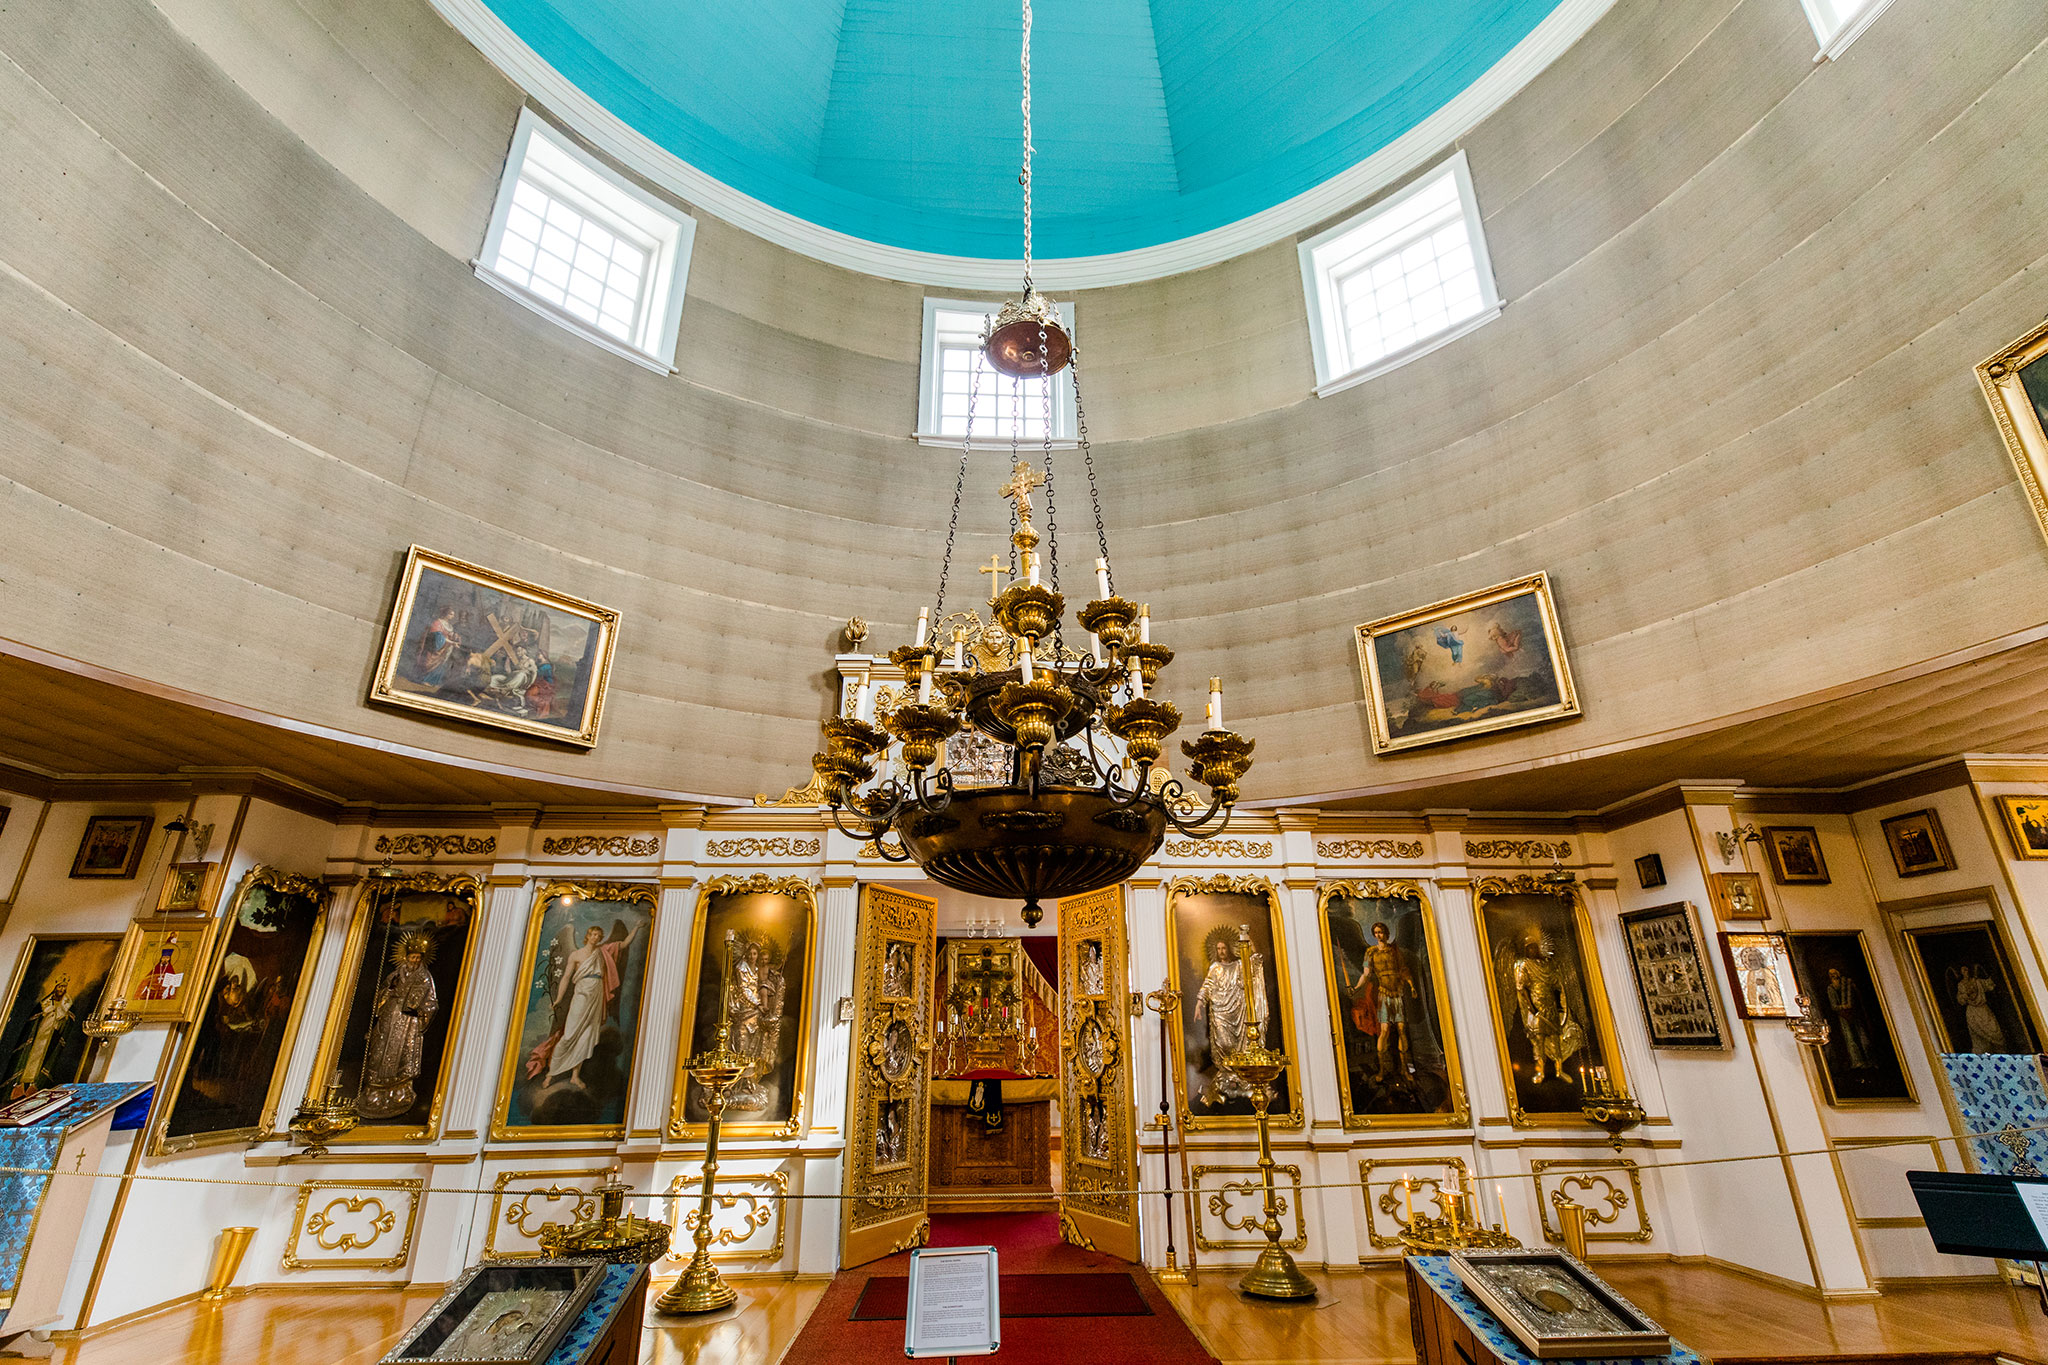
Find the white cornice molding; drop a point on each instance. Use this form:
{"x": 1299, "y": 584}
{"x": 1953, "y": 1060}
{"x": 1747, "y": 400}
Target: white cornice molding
{"x": 1562, "y": 27}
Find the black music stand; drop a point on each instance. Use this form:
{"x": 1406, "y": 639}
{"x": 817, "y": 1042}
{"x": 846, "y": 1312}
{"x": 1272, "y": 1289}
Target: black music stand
{"x": 1985, "y": 1215}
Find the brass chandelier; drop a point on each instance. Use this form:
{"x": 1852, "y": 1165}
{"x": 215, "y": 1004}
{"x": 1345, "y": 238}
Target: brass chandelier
{"x": 1071, "y": 738}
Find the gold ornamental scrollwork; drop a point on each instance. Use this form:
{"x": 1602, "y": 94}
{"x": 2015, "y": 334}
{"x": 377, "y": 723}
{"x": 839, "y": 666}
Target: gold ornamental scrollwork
{"x": 1222, "y": 883}
{"x": 431, "y": 845}
{"x": 1394, "y": 1201}
{"x": 1071, "y": 1234}
{"x": 778, "y": 847}
{"x": 763, "y": 884}
{"x": 762, "y": 1208}
{"x": 350, "y": 1197}
{"x": 512, "y": 1199}
{"x": 1591, "y": 1184}
{"x": 921, "y": 1235}
{"x": 1369, "y": 848}
{"x": 811, "y": 793}
{"x": 1218, "y": 848}
{"x": 611, "y": 845}
{"x": 379, "y": 1223}
{"x": 1525, "y": 884}
{"x": 1216, "y": 1200}
{"x": 1517, "y": 848}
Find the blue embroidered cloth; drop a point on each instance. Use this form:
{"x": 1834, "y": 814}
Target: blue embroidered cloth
{"x": 30, "y": 1151}
{"x": 1489, "y": 1329}
{"x": 597, "y": 1315}
{"x": 2002, "y": 1094}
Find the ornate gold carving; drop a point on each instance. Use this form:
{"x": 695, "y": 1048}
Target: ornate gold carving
{"x": 1218, "y": 848}
{"x": 1517, "y": 848}
{"x": 1098, "y": 1158}
{"x": 811, "y": 793}
{"x": 1525, "y": 884}
{"x": 363, "y": 1235}
{"x": 1589, "y": 1184}
{"x": 1217, "y": 1204}
{"x": 1368, "y": 848}
{"x": 885, "y": 1160}
{"x": 409, "y": 845}
{"x": 921, "y": 1235}
{"x": 762, "y": 1208}
{"x": 518, "y": 1213}
{"x": 611, "y": 845}
{"x": 763, "y": 848}
{"x": 1072, "y": 1234}
{"x": 1394, "y": 1202}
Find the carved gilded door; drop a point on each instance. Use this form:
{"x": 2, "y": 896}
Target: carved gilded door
{"x": 887, "y": 1100}
{"x": 1098, "y": 1129}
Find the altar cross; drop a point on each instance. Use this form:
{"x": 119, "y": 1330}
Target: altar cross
{"x": 1022, "y": 480}
{"x": 994, "y": 566}
{"x": 2015, "y": 1140}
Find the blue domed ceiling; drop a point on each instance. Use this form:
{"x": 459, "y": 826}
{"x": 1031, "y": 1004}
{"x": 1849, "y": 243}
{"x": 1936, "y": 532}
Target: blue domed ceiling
{"x": 896, "y": 121}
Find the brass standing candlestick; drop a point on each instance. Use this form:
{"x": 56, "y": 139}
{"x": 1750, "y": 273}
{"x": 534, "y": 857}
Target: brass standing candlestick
{"x": 1275, "y": 1276}
{"x": 700, "y": 1290}
{"x": 1165, "y": 1003}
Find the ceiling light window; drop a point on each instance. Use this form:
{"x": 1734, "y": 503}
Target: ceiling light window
{"x": 579, "y": 244}
{"x": 1399, "y": 280}
{"x": 956, "y": 376}
{"x": 1838, "y": 23}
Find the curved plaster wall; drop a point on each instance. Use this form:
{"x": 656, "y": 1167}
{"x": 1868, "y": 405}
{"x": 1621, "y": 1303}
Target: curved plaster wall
{"x": 244, "y": 363}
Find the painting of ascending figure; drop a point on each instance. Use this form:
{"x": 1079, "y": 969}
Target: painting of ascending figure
{"x": 1467, "y": 666}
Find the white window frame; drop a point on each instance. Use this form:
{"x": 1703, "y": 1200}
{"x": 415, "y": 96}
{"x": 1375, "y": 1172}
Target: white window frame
{"x": 1065, "y": 422}
{"x": 1319, "y": 262}
{"x": 1835, "y": 41}
{"x": 567, "y": 172}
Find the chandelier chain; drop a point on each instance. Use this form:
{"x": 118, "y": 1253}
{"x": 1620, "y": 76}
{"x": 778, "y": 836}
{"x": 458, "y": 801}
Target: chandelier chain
{"x": 1088, "y": 458}
{"x": 959, "y": 488}
{"x": 1024, "y": 176}
{"x": 1052, "y": 525}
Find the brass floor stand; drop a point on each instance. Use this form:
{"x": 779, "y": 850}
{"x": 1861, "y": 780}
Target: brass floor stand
{"x": 700, "y": 1290}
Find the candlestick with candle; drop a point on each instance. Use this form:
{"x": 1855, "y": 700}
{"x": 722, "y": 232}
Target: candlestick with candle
{"x": 1102, "y": 578}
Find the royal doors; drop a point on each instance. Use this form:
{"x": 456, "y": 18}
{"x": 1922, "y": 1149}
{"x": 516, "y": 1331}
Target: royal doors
{"x": 1098, "y": 1144}
{"x": 887, "y": 1097}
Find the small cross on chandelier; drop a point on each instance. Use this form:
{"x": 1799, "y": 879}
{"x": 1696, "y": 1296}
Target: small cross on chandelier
{"x": 1079, "y": 799}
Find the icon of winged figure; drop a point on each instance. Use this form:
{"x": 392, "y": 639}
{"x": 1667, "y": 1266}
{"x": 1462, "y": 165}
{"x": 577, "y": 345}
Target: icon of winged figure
{"x": 1542, "y": 985}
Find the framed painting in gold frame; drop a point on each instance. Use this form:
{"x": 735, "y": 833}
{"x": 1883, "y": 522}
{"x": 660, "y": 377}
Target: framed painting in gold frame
{"x": 189, "y": 889}
{"x": 160, "y": 975}
{"x": 1860, "y": 1065}
{"x": 1738, "y": 896}
{"x": 767, "y": 924}
{"x": 1397, "y": 1054}
{"x": 1979, "y": 1003}
{"x": 397, "y": 1009}
{"x": 575, "y": 1024}
{"x": 1795, "y": 855}
{"x": 2015, "y": 384}
{"x": 1203, "y": 916}
{"x": 112, "y": 846}
{"x": 468, "y": 643}
{"x": 2026, "y": 824}
{"x": 1917, "y": 843}
{"x": 1472, "y": 665}
{"x": 1550, "y": 1012}
{"x": 58, "y": 982}
{"x": 225, "y": 1085}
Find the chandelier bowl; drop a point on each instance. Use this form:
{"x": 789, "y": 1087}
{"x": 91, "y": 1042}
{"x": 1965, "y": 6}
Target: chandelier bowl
{"x": 1013, "y": 342}
{"x": 1007, "y": 843}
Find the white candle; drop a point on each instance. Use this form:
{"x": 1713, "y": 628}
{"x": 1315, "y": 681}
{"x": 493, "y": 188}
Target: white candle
{"x": 924, "y": 624}
{"x": 1137, "y": 681}
{"x": 1095, "y": 646}
{"x": 924, "y": 689}
{"x": 1215, "y": 703}
{"x": 1101, "y": 577}
{"x": 1145, "y": 624}
{"x": 864, "y": 703}
{"x": 1024, "y": 660}
{"x": 1500, "y": 1201}
{"x": 959, "y": 647}
{"x": 1031, "y": 566}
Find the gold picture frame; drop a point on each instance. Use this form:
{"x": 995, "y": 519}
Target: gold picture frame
{"x": 799, "y": 938}
{"x": 469, "y": 643}
{"x": 1918, "y": 844}
{"x": 1738, "y": 897}
{"x": 143, "y": 956}
{"x": 1943, "y": 956}
{"x": 1287, "y": 1108}
{"x": 356, "y": 954}
{"x": 284, "y": 885}
{"x": 1457, "y": 1114}
{"x": 190, "y": 888}
{"x": 2026, "y": 824}
{"x": 1795, "y": 855}
{"x": 1498, "y": 951}
{"x": 1836, "y": 969}
{"x": 76, "y": 969}
{"x": 1416, "y": 696}
{"x": 112, "y": 846}
{"x": 2003, "y": 377}
{"x": 586, "y": 894}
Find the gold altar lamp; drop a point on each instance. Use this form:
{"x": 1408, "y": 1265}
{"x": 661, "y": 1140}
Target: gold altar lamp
{"x": 110, "y": 1020}
{"x": 319, "y": 1122}
{"x": 614, "y": 1235}
{"x": 1275, "y": 1275}
{"x": 1607, "y": 1107}
{"x": 700, "y": 1290}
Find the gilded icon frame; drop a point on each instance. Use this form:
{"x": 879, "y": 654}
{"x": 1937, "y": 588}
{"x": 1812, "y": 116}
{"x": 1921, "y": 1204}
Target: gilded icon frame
{"x": 1459, "y": 1113}
{"x": 1817, "y": 995}
{"x": 162, "y": 1142}
{"x": 1896, "y": 829}
{"x": 20, "y": 977}
{"x": 354, "y": 955}
{"x": 1738, "y": 897}
{"x": 637, "y": 893}
{"x": 805, "y": 894}
{"x": 1777, "y": 964}
{"x": 2019, "y": 419}
{"x": 1535, "y": 586}
{"x": 1775, "y": 843}
{"x": 1592, "y": 980}
{"x": 1638, "y": 965}
{"x": 1226, "y": 884}
{"x": 141, "y": 936}
{"x": 385, "y": 685}
{"x": 190, "y": 889}
{"x": 2014, "y": 811}
{"x": 139, "y": 827}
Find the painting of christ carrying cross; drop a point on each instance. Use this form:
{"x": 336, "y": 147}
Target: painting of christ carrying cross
{"x": 471, "y": 644}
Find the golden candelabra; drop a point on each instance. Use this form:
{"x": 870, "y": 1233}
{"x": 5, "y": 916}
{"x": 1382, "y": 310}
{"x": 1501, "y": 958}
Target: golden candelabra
{"x": 1808, "y": 1028}
{"x": 1274, "y": 1275}
{"x": 1607, "y": 1107}
{"x": 321, "y": 1121}
{"x": 700, "y": 1290}
{"x": 1458, "y": 1226}
{"x": 614, "y": 1235}
{"x": 1165, "y": 1002}
{"x": 111, "y": 1020}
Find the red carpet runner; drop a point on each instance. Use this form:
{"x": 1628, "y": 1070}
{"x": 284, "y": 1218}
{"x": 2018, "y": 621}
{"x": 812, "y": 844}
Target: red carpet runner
{"x": 1029, "y": 1247}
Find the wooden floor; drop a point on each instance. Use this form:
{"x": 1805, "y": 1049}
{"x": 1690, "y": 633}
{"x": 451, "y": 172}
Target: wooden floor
{"x": 1360, "y": 1319}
